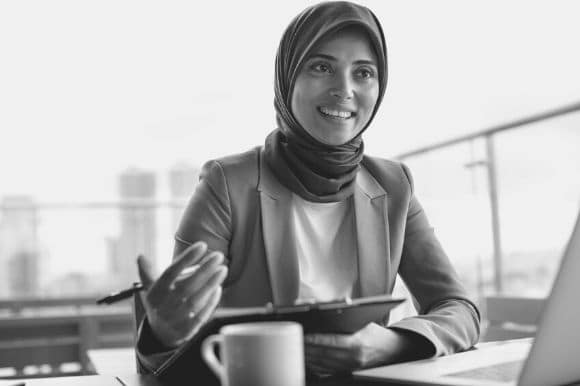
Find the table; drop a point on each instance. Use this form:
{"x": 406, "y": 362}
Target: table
{"x": 116, "y": 361}
{"x": 145, "y": 380}
{"x": 117, "y": 367}
{"x": 88, "y": 380}
{"x": 113, "y": 361}
{"x": 121, "y": 362}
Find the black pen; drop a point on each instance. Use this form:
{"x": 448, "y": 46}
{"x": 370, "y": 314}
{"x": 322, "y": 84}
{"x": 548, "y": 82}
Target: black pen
{"x": 121, "y": 295}
{"x": 127, "y": 293}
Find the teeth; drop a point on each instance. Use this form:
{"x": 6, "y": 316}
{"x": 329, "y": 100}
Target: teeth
{"x": 335, "y": 113}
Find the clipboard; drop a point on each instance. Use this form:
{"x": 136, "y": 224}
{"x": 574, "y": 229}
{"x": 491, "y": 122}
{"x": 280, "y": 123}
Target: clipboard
{"x": 342, "y": 317}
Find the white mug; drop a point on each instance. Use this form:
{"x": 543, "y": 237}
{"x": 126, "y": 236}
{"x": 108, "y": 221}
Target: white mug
{"x": 257, "y": 354}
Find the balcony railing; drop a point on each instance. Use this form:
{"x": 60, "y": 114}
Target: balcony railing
{"x": 40, "y": 337}
{"x": 489, "y": 161}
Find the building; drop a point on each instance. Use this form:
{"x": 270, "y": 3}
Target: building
{"x": 182, "y": 181}
{"x": 137, "y": 190}
{"x": 19, "y": 247}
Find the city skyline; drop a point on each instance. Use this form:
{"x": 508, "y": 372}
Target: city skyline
{"x": 25, "y": 255}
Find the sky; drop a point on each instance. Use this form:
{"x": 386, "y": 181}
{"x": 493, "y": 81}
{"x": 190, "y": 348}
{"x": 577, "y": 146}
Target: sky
{"x": 91, "y": 88}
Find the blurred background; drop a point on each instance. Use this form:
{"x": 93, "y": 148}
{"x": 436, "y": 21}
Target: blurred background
{"x": 109, "y": 109}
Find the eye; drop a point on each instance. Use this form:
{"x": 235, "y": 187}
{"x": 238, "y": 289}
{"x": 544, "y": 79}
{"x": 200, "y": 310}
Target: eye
{"x": 365, "y": 73}
{"x": 320, "y": 67}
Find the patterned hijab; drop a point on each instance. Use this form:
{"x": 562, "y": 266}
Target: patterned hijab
{"x": 316, "y": 171}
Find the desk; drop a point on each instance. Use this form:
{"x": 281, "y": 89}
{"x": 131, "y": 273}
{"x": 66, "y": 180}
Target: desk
{"x": 121, "y": 362}
{"x": 144, "y": 380}
{"x": 88, "y": 380}
{"x": 113, "y": 361}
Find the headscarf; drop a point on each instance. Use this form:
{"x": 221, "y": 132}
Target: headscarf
{"x": 316, "y": 171}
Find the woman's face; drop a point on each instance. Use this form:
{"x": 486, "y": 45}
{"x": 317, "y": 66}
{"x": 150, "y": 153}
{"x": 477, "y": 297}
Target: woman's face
{"x": 337, "y": 88}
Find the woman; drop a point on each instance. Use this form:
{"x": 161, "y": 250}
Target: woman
{"x": 309, "y": 216}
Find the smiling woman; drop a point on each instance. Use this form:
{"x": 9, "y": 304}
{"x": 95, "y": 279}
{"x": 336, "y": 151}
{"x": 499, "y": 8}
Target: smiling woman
{"x": 309, "y": 216}
{"x": 336, "y": 91}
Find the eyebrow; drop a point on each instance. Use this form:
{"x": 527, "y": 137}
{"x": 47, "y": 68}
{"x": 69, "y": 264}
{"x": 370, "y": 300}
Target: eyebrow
{"x": 333, "y": 59}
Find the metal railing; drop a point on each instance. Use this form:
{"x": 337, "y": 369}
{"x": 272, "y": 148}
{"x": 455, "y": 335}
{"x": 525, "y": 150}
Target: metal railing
{"x": 49, "y": 337}
{"x": 490, "y": 164}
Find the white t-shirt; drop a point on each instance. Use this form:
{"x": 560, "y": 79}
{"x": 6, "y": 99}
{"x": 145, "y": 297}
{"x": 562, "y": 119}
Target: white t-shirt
{"x": 326, "y": 248}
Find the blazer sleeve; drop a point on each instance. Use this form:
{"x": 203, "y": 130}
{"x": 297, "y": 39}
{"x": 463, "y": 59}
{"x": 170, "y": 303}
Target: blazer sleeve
{"x": 447, "y": 317}
{"x": 207, "y": 217}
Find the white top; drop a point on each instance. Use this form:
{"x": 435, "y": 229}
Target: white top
{"x": 326, "y": 248}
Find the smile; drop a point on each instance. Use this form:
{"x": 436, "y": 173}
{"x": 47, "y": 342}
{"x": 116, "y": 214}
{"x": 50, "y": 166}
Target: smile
{"x": 336, "y": 114}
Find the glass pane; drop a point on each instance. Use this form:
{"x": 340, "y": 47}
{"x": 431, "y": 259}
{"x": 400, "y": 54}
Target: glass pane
{"x": 451, "y": 185}
{"x": 538, "y": 169}
{"x": 72, "y": 249}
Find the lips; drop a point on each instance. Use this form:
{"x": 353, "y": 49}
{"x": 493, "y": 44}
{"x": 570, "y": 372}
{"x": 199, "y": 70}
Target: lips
{"x": 336, "y": 114}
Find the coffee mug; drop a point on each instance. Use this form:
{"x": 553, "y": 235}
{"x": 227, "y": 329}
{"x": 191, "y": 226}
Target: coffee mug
{"x": 258, "y": 354}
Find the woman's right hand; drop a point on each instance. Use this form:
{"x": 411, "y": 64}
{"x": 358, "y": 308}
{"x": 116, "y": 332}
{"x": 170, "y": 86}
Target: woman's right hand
{"x": 178, "y": 303}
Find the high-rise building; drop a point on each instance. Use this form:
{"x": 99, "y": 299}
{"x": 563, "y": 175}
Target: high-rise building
{"x": 19, "y": 247}
{"x": 182, "y": 181}
{"x": 137, "y": 189}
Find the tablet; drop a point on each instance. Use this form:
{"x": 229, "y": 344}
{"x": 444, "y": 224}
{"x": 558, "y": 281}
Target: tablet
{"x": 342, "y": 316}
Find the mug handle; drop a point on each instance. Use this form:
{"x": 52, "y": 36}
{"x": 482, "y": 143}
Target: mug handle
{"x": 208, "y": 354}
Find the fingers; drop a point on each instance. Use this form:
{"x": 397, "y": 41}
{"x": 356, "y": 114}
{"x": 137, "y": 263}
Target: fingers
{"x": 324, "y": 360}
{"x": 145, "y": 271}
{"x": 210, "y": 265}
{"x": 205, "y": 313}
{"x": 200, "y": 295}
{"x": 329, "y": 340}
{"x": 190, "y": 256}
{"x": 192, "y": 321}
{"x": 329, "y": 353}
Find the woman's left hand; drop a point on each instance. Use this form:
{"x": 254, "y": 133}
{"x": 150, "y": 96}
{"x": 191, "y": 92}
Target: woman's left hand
{"x": 337, "y": 353}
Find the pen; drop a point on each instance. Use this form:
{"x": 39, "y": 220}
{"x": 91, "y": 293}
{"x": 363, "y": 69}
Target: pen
{"x": 127, "y": 293}
{"x": 121, "y": 295}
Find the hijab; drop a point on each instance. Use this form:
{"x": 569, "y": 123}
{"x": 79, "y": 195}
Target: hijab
{"x": 316, "y": 171}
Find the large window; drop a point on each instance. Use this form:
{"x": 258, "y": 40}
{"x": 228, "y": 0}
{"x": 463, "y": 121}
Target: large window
{"x": 109, "y": 109}
{"x": 538, "y": 199}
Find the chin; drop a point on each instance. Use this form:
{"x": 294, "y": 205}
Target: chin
{"x": 336, "y": 140}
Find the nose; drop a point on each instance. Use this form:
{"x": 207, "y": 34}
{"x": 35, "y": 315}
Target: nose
{"x": 343, "y": 88}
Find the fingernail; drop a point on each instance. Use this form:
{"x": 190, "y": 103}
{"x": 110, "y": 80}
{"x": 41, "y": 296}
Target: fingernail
{"x": 223, "y": 271}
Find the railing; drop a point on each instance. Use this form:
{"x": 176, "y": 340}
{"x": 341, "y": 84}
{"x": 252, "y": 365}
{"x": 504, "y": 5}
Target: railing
{"x": 549, "y": 124}
{"x": 40, "y": 337}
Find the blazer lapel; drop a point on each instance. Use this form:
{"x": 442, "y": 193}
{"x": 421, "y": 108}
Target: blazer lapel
{"x": 281, "y": 258}
{"x": 372, "y": 226}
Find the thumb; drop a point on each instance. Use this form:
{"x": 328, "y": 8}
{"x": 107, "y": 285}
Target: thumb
{"x": 145, "y": 274}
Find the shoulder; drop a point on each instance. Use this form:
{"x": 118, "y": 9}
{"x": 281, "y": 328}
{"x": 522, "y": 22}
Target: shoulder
{"x": 392, "y": 175}
{"x": 234, "y": 170}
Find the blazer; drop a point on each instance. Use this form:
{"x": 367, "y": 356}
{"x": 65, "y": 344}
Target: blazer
{"x": 240, "y": 208}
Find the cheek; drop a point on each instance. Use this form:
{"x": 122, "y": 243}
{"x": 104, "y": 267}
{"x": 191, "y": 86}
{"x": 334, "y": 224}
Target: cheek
{"x": 303, "y": 97}
{"x": 368, "y": 100}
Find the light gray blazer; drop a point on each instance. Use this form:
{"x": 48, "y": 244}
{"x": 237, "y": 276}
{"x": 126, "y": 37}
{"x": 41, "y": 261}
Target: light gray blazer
{"x": 240, "y": 208}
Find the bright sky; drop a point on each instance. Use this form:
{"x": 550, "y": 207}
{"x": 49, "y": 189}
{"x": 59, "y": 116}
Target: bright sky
{"x": 89, "y": 88}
